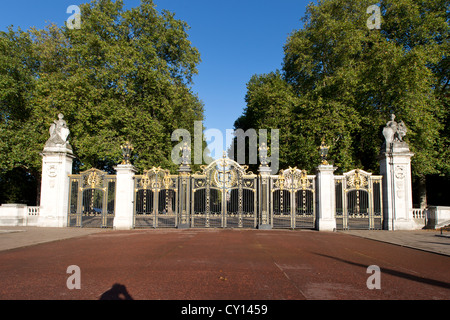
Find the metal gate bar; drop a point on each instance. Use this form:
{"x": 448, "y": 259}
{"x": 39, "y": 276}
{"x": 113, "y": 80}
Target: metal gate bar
{"x": 224, "y": 196}
{"x": 155, "y": 199}
{"x": 91, "y": 200}
{"x": 358, "y": 201}
{"x": 292, "y": 199}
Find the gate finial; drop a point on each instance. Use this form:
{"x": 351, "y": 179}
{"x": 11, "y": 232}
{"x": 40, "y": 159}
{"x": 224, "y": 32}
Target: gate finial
{"x": 324, "y": 152}
{"x": 185, "y": 155}
{"x": 263, "y": 154}
{"x": 127, "y": 149}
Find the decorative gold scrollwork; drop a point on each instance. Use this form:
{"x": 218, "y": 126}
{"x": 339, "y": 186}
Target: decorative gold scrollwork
{"x": 92, "y": 179}
{"x": 248, "y": 183}
{"x": 224, "y": 178}
{"x": 280, "y": 182}
{"x": 293, "y": 178}
{"x": 305, "y": 183}
{"x": 145, "y": 182}
{"x": 357, "y": 180}
{"x": 224, "y": 164}
{"x": 156, "y": 178}
{"x": 167, "y": 181}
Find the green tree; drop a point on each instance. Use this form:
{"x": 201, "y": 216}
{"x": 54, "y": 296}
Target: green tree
{"x": 19, "y": 169}
{"x": 272, "y": 104}
{"x": 125, "y": 75}
{"x": 347, "y": 79}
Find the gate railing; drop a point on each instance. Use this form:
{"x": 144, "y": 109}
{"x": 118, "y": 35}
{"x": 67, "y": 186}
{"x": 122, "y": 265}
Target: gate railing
{"x": 292, "y": 199}
{"x": 224, "y": 194}
{"x": 358, "y": 200}
{"x": 92, "y": 199}
{"x": 155, "y": 199}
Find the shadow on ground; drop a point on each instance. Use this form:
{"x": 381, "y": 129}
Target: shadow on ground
{"x": 117, "y": 292}
{"x": 395, "y": 273}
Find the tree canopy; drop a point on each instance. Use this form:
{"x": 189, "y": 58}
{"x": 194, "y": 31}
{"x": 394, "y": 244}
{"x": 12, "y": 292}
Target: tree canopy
{"x": 340, "y": 81}
{"x": 124, "y": 75}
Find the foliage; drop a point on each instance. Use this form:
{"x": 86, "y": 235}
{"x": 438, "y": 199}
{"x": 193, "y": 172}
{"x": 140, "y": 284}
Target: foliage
{"x": 341, "y": 81}
{"x": 125, "y": 75}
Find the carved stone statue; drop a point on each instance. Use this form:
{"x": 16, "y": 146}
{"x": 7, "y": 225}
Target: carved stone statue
{"x": 59, "y": 133}
{"x": 401, "y": 132}
{"x": 394, "y": 132}
{"x": 390, "y": 130}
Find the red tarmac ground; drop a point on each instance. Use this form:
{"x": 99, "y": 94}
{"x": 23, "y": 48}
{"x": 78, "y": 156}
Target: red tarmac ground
{"x": 215, "y": 264}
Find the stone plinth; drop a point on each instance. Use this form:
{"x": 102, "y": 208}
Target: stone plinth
{"x": 54, "y": 204}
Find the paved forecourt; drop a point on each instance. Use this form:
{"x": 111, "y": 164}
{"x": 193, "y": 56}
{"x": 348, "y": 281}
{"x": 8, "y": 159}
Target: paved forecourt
{"x": 216, "y": 264}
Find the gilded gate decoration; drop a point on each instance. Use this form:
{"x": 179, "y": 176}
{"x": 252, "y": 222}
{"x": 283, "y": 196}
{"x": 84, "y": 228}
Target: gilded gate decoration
{"x": 358, "y": 200}
{"x": 224, "y": 195}
{"x": 91, "y": 199}
{"x": 155, "y": 199}
{"x": 293, "y": 199}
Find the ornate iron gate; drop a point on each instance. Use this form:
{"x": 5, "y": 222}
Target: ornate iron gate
{"x": 224, "y": 195}
{"x": 92, "y": 199}
{"x": 293, "y": 199}
{"x": 358, "y": 201}
{"x": 155, "y": 199}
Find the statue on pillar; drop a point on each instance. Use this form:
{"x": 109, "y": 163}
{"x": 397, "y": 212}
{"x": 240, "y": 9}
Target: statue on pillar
{"x": 59, "y": 133}
{"x": 395, "y": 167}
{"x": 57, "y": 159}
{"x": 394, "y": 132}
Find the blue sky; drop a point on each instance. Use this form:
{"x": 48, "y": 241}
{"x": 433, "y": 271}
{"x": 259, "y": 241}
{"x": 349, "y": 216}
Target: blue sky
{"x": 236, "y": 40}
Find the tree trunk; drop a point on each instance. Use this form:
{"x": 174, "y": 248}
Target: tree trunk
{"x": 423, "y": 191}
{"x": 38, "y": 178}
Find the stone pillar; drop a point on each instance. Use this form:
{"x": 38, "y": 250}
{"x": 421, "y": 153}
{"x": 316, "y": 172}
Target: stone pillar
{"x": 326, "y": 198}
{"x": 57, "y": 158}
{"x": 123, "y": 218}
{"x": 395, "y": 167}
